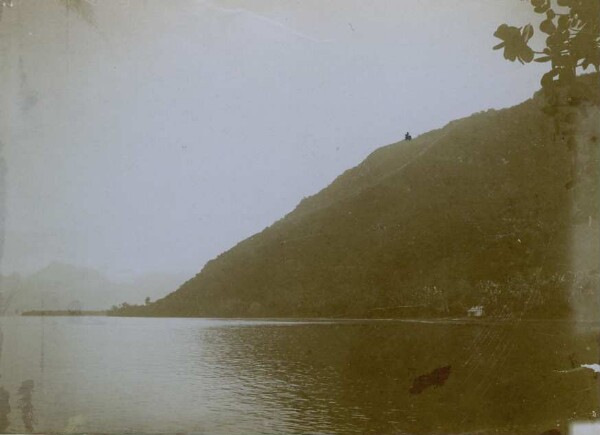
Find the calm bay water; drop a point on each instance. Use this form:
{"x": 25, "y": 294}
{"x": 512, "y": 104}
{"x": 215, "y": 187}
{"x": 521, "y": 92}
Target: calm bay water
{"x": 102, "y": 374}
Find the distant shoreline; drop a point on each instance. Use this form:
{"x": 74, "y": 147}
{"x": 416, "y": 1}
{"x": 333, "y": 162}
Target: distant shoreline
{"x": 65, "y": 313}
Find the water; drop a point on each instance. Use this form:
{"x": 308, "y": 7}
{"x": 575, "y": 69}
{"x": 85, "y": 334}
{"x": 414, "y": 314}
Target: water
{"x": 102, "y": 374}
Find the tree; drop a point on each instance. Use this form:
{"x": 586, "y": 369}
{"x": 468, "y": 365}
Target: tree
{"x": 573, "y": 40}
{"x": 572, "y": 43}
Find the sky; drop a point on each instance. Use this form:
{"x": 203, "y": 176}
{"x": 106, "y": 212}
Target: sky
{"x": 157, "y": 134}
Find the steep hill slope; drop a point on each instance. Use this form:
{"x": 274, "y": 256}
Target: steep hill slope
{"x": 482, "y": 211}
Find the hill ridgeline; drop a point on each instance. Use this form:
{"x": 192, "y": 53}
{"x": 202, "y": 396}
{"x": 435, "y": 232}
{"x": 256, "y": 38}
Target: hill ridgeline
{"x": 493, "y": 210}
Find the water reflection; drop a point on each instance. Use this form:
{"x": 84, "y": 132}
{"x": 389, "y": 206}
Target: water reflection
{"x": 192, "y": 375}
{"x": 357, "y": 377}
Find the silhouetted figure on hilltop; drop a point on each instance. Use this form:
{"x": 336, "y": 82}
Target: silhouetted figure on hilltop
{"x": 407, "y": 136}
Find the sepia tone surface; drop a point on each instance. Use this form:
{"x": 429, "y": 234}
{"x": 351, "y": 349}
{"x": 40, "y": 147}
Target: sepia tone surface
{"x": 203, "y": 229}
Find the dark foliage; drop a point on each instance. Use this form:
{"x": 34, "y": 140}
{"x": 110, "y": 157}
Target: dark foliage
{"x": 573, "y": 39}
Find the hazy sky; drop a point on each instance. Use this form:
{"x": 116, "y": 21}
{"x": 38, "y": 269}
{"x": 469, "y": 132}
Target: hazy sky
{"x": 165, "y": 132}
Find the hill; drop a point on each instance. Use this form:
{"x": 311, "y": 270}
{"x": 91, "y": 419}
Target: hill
{"x": 60, "y": 286}
{"x": 483, "y": 211}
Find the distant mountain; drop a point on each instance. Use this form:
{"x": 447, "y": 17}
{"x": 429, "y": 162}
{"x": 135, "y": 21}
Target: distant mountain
{"x": 60, "y": 286}
{"x": 485, "y": 211}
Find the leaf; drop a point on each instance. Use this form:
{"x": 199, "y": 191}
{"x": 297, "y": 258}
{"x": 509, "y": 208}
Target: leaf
{"x": 548, "y": 27}
{"x": 548, "y": 78}
{"x": 505, "y": 31}
{"x": 527, "y": 32}
{"x": 496, "y": 47}
{"x": 526, "y": 54}
{"x": 543, "y": 59}
{"x": 510, "y": 54}
{"x": 563, "y": 22}
{"x": 550, "y": 14}
{"x": 565, "y": 3}
{"x": 514, "y": 43}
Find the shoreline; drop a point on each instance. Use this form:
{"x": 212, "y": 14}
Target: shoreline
{"x": 317, "y": 320}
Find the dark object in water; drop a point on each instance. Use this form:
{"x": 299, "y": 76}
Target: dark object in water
{"x": 407, "y": 136}
{"x": 436, "y": 378}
